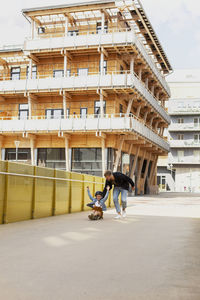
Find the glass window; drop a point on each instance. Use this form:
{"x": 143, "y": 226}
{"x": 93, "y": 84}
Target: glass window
{"x": 83, "y": 112}
{"x": 54, "y": 113}
{"x": 15, "y": 73}
{"x": 87, "y": 160}
{"x": 41, "y": 30}
{"x": 23, "y": 154}
{"x": 82, "y": 71}
{"x": 121, "y": 70}
{"x": 121, "y": 109}
{"x": 196, "y": 137}
{"x": 58, "y": 73}
{"x": 34, "y": 72}
{"x": 97, "y": 106}
{"x": 73, "y": 32}
{"x": 52, "y": 158}
{"x": 23, "y": 111}
{"x": 98, "y": 28}
{"x": 180, "y": 120}
{"x": 180, "y": 136}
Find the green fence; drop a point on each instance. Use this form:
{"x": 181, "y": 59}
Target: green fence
{"x": 28, "y": 192}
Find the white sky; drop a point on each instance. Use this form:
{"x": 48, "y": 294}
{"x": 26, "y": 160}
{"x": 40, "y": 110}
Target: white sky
{"x": 176, "y": 22}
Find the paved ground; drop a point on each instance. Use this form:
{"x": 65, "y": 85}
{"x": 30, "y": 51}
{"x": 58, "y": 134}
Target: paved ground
{"x": 153, "y": 254}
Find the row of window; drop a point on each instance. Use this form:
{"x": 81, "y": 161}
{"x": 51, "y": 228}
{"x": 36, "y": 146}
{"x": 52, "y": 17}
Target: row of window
{"x": 196, "y": 137}
{"x": 196, "y": 121}
{"x": 182, "y": 153}
{"x": 16, "y": 71}
{"x": 59, "y": 113}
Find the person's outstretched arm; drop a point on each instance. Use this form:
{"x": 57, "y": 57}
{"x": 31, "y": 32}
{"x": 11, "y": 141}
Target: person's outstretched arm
{"x": 89, "y": 195}
{"x": 103, "y": 200}
{"x": 108, "y": 183}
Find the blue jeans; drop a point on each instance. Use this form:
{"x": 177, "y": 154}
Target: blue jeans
{"x": 124, "y": 193}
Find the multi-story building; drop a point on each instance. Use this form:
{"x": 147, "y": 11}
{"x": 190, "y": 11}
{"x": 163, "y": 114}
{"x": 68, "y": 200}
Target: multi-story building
{"x": 86, "y": 91}
{"x": 182, "y": 171}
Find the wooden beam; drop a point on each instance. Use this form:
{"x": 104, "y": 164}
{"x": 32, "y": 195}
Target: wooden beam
{"x": 34, "y": 58}
{"x": 135, "y": 162}
{"x": 121, "y": 142}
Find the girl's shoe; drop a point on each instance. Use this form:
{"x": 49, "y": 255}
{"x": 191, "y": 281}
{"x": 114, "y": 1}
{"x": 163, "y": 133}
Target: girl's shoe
{"x": 118, "y": 216}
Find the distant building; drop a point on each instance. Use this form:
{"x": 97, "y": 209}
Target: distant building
{"x": 181, "y": 171}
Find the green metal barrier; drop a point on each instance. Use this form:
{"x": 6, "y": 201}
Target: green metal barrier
{"x": 28, "y": 192}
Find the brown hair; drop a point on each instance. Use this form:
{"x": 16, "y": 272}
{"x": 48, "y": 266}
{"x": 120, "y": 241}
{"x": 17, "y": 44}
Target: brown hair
{"x": 107, "y": 173}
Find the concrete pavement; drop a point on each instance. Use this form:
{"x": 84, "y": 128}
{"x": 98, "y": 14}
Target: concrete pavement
{"x": 152, "y": 254}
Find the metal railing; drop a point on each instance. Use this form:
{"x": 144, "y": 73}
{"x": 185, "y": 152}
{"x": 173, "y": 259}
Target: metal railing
{"x": 184, "y": 127}
{"x": 109, "y": 122}
{"x": 184, "y": 143}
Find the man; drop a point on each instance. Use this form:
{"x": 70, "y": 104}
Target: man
{"x": 121, "y": 185}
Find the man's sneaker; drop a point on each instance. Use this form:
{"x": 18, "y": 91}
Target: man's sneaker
{"x": 124, "y": 214}
{"x": 118, "y": 216}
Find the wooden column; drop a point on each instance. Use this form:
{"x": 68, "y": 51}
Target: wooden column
{"x": 138, "y": 110}
{"x": 140, "y": 171}
{"x": 30, "y": 68}
{"x": 135, "y": 162}
{"x": 140, "y": 74}
{"x": 65, "y": 65}
{"x": 132, "y": 66}
{"x": 152, "y": 173}
{"x": 32, "y": 146}
{"x": 145, "y": 116}
{"x": 67, "y": 138}
{"x": 66, "y": 25}
{"x": 101, "y": 104}
{"x": 102, "y": 22}
{"x": 147, "y": 82}
{"x": 103, "y": 145}
{"x": 152, "y": 89}
{"x": 64, "y": 105}
{"x": 129, "y": 107}
{"x": 146, "y": 172}
{"x": 121, "y": 142}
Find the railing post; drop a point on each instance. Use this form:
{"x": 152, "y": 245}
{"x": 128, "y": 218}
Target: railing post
{"x": 5, "y": 203}
{"x": 33, "y": 196}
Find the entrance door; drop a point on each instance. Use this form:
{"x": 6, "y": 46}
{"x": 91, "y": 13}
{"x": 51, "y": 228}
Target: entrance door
{"x": 162, "y": 183}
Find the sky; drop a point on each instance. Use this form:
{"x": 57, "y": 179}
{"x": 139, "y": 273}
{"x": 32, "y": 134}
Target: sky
{"x": 176, "y": 23}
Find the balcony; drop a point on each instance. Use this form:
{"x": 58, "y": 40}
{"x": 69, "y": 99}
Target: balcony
{"x": 175, "y": 111}
{"x": 184, "y": 144}
{"x": 184, "y": 127}
{"x": 114, "y": 80}
{"x": 191, "y": 160}
{"x": 91, "y": 123}
{"x": 90, "y": 38}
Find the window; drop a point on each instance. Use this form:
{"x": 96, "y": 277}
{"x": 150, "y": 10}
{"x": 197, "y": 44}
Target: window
{"x": 180, "y": 136}
{"x": 23, "y": 111}
{"x": 52, "y": 158}
{"x": 196, "y": 122}
{"x": 58, "y": 73}
{"x": 83, "y": 72}
{"x": 180, "y": 155}
{"x": 87, "y": 160}
{"x": 196, "y": 138}
{"x": 104, "y": 67}
{"x": 83, "y": 113}
{"x": 15, "y": 73}
{"x": 97, "y": 107}
{"x": 121, "y": 109}
{"x": 180, "y": 120}
{"x": 41, "y": 30}
{"x": 73, "y": 32}
{"x": 54, "y": 113}
{"x": 98, "y": 28}
{"x": 23, "y": 154}
{"x": 67, "y": 112}
{"x": 34, "y": 72}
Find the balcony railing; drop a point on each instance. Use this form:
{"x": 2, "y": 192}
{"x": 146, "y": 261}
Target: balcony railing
{"x": 113, "y": 80}
{"x": 117, "y": 122}
{"x": 184, "y": 144}
{"x": 183, "y": 111}
{"x": 90, "y": 38}
{"x": 184, "y": 160}
{"x": 184, "y": 127}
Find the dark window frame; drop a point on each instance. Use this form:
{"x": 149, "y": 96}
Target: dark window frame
{"x": 23, "y": 110}
{"x": 52, "y": 112}
{"x": 58, "y": 70}
{"x": 14, "y": 73}
{"x": 99, "y": 107}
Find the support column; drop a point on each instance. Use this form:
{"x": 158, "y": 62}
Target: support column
{"x": 147, "y": 82}
{"x": 66, "y": 25}
{"x": 145, "y": 116}
{"x": 65, "y": 65}
{"x": 140, "y": 171}
{"x": 132, "y": 66}
{"x": 146, "y": 173}
{"x": 32, "y": 29}
{"x": 101, "y": 63}
{"x": 118, "y": 154}
{"x": 102, "y": 22}
{"x": 101, "y": 104}
{"x": 152, "y": 89}
{"x": 152, "y": 173}
{"x": 162, "y": 130}
{"x": 151, "y": 121}
{"x": 30, "y": 69}
{"x": 32, "y": 146}
{"x": 135, "y": 162}
{"x": 157, "y": 95}
{"x": 29, "y": 107}
{"x": 64, "y": 105}
{"x": 67, "y": 138}
{"x": 140, "y": 74}
{"x": 1, "y": 145}
{"x": 138, "y": 111}
{"x": 103, "y": 145}
{"x": 129, "y": 107}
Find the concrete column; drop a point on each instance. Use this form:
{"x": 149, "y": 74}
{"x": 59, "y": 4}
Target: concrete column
{"x": 29, "y": 107}
{"x": 66, "y": 25}
{"x": 30, "y": 69}
{"x": 132, "y": 66}
{"x": 67, "y": 153}
{"x": 65, "y": 65}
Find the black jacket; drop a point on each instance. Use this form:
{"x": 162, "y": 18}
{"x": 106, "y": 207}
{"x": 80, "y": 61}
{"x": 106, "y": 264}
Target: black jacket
{"x": 121, "y": 181}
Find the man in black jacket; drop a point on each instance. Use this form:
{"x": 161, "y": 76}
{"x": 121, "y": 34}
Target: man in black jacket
{"x": 121, "y": 185}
